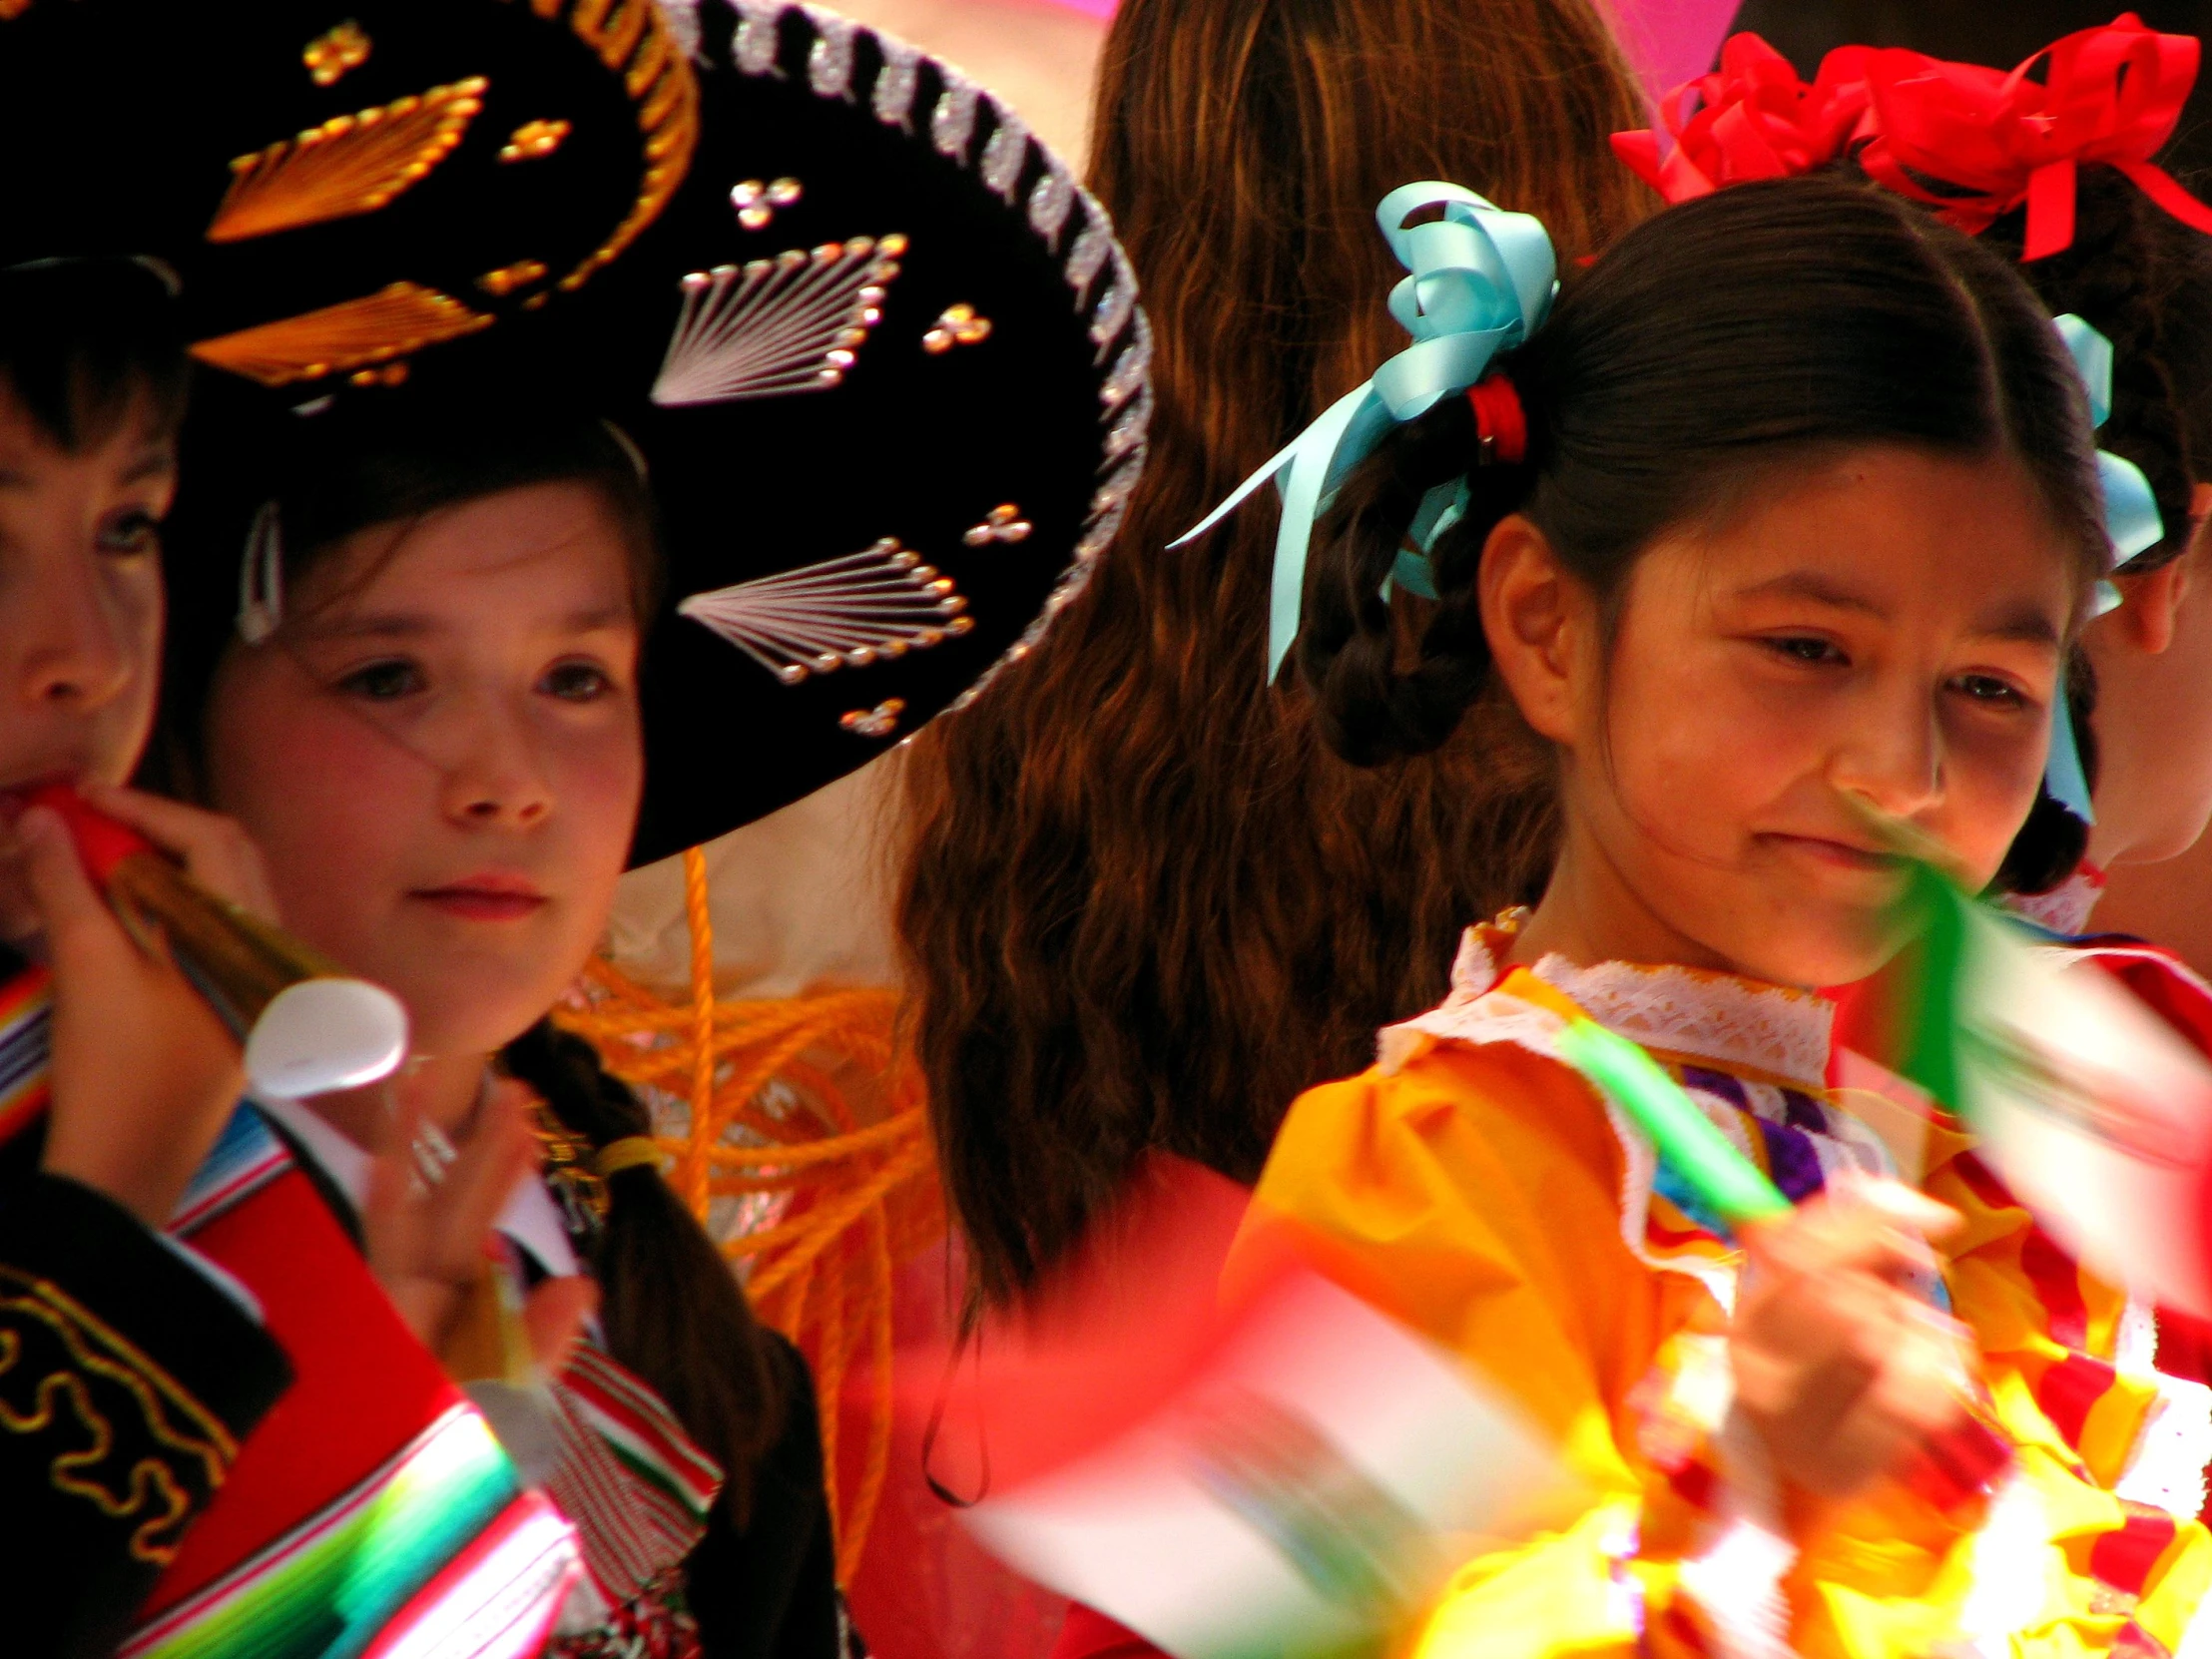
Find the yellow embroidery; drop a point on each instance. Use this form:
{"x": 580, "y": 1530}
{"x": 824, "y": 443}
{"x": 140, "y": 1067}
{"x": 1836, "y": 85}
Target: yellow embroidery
{"x": 149, "y": 1488}
{"x": 507, "y": 279}
{"x": 631, "y": 38}
{"x": 372, "y": 329}
{"x": 532, "y": 140}
{"x": 331, "y": 56}
{"x": 352, "y": 164}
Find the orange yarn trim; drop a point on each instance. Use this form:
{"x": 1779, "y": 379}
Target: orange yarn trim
{"x": 768, "y": 1083}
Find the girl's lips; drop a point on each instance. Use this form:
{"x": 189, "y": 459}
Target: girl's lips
{"x": 1842, "y": 854}
{"x": 16, "y": 797}
{"x": 484, "y": 898}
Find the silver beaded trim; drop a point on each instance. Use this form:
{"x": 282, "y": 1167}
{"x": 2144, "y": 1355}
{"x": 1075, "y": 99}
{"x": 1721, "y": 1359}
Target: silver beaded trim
{"x": 1117, "y": 321}
{"x": 682, "y": 18}
{"x": 758, "y": 36}
{"x": 1006, "y": 153}
{"x": 897, "y": 83}
{"x": 830, "y": 59}
{"x": 952, "y": 123}
{"x": 1049, "y": 203}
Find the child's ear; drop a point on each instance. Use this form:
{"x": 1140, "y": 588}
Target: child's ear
{"x": 2149, "y": 604}
{"x": 1527, "y": 608}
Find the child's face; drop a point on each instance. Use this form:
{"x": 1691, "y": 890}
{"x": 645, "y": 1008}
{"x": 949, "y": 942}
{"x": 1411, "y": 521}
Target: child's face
{"x": 439, "y": 755}
{"x": 1887, "y": 627}
{"x": 80, "y": 606}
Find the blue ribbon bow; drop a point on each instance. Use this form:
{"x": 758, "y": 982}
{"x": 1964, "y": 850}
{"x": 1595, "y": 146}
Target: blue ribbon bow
{"x": 2132, "y": 524}
{"x": 1482, "y": 281}
{"x": 2132, "y": 517}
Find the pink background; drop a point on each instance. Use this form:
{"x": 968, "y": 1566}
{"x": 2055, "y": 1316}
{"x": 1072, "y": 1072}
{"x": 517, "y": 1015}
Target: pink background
{"x": 1671, "y": 40}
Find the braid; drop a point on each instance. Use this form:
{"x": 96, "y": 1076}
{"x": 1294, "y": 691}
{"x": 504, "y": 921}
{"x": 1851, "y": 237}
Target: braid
{"x": 2051, "y": 845}
{"x": 2145, "y": 281}
{"x": 672, "y": 1310}
{"x": 1348, "y": 647}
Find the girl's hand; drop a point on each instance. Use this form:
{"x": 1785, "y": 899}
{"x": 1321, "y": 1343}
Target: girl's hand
{"x": 1842, "y": 1369}
{"x": 143, "y": 1074}
{"x": 428, "y": 1244}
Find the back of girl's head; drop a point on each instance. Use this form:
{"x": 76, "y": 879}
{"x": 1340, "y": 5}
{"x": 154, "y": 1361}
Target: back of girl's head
{"x": 2144, "y": 280}
{"x": 1738, "y": 334}
{"x": 86, "y": 345}
{"x": 1144, "y": 905}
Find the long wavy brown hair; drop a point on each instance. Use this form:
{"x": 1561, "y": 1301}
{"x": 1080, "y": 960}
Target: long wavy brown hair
{"x": 1143, "y": 906}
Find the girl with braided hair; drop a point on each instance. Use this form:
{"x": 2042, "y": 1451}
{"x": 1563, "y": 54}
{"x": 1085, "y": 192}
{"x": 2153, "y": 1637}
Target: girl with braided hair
{"x": 2124, "y": 249}
{"x": 1786, "y": 514}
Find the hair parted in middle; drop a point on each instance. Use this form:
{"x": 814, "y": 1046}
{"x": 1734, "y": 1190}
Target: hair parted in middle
{"x": 1144, "y": 905}
{"x": 1734, "y": 337}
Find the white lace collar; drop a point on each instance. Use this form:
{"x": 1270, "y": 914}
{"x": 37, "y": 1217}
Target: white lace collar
{"x": 1712, "y": 1016}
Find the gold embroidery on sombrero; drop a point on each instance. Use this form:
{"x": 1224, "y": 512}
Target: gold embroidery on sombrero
{"x": 332, "y": 55}
{"x": 168, "y": 1453}
{"x": 348, "y": 166}
{"x": 632, "y": 37}
{"x": 372, "y": 329}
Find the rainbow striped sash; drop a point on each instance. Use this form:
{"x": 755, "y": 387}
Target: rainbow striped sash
{"x": 372, "y": 1515}
{"x": 26, "y": 1010}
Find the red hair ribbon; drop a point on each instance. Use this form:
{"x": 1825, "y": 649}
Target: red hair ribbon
{"x": 1753, "y": 119}
{"x": 1974, "y": 143}
{"x": 1501, "y": 423}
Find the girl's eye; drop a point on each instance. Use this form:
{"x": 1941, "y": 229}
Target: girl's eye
{"x": 384, "y": 682}
{"x": 1806, "y": 647}
{"x": 129, "y": 533}
{"x": 1990, "y": 690}
{"x": 577, "y": 682}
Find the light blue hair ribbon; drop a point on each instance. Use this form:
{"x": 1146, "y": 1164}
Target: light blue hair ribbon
{"x": 1482, "y": 280}
{"x": 2132, "y": 524}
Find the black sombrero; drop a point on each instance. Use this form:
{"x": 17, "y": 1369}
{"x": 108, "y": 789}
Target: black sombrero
{"x": 343, "y": 187}
{"x": 884, "y": 362}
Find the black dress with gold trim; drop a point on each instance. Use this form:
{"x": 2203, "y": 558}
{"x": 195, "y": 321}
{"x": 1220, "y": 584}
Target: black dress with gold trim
{"x": 129, "y": 1376}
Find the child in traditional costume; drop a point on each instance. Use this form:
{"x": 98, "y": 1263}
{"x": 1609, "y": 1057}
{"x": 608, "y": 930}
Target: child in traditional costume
{"x": 253, "y": 150}
{"x": 2111, "y": 240}
{"x": 1785, "y": 513}
{"x": 831, "y": 446}
{"x": 135, "y": 1370}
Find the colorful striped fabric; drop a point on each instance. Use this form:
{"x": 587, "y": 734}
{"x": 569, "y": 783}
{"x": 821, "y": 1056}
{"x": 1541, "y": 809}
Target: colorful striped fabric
{"x": 436, "y": 1552}
{"x": 26, "y": 1010}
{"x": 247, "y": 1157}
{"x": 372, "y": 1515}
{"x": 636, "y": 1486}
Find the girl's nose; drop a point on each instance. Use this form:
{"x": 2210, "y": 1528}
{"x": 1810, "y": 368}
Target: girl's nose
{"x": 1893, "y": 758}
{"x": 499, "y": 780}
{"x": 75, "y": 655}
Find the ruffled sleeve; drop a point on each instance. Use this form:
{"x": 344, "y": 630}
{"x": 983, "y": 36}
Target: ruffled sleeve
{"x": 1477, "y": 1195}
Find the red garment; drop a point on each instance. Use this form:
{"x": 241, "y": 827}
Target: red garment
{"x": 1089, "y": 1634}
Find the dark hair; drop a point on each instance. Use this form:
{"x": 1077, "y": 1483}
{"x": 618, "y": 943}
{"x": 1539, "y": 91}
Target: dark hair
{"x": 345, "y": 472}
{"x": 672, "y": 1309}
{"x": 1145, "y": 907}
{"x": 1735, "y": 335}
{"x": 83, "y": 341}
{"x": 2145, "y": 280}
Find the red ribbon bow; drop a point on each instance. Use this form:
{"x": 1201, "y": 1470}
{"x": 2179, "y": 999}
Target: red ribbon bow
{"x": 1974, "y": 143}
{"x": 1754, "y": 119}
